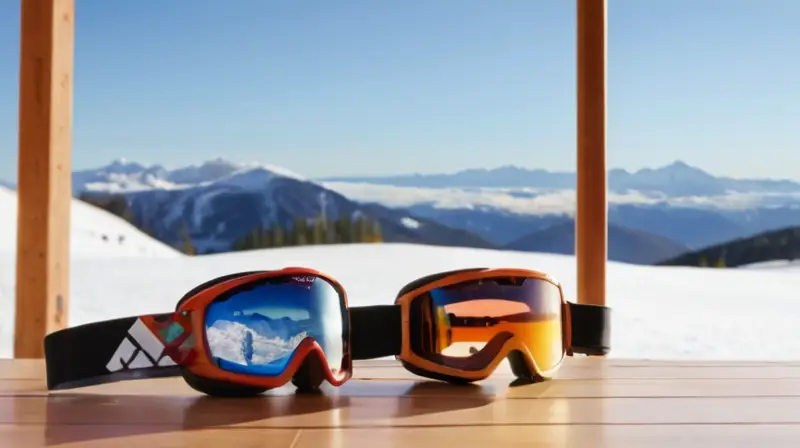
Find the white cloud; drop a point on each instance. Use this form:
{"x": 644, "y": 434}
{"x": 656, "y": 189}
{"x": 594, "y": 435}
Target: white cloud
{"x": 541, "y": 201}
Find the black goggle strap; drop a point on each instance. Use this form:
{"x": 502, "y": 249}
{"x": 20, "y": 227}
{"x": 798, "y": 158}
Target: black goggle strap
{"x": 151, "y": 346}
{"x": 591, "y": 329}
{"x": 376, "y": 331}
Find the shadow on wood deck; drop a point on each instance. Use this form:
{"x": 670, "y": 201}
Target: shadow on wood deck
{"x": 594, "y": 403}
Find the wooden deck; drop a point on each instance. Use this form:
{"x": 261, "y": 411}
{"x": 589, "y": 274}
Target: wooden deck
{"x": 594, "y": 403}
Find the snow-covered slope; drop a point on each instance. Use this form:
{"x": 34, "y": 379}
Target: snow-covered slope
{"x": 775, "y": 264}
{"x": 123, "y": 176}
{"x": 659, "y": 312}
{"x": 95, "y": 233}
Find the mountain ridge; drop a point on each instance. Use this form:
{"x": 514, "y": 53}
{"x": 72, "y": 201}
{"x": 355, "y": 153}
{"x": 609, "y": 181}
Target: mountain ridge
{"x": 122, "y": 175}
{"x": 625, "y": 244}
{"x": 676, "y": 178}
{"x": 227, "y": 201}
{"x": 217, "y": 201}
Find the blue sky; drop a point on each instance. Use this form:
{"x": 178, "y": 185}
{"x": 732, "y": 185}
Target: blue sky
{"x": 365, "y": 87}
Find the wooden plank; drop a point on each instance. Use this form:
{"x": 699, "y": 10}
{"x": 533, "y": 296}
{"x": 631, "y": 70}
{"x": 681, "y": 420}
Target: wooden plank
{"x": 44, "y": 176}
{"x": 726, "y": 404}
{"x": 595, "y": 436}
{"x": 346, "y": 411}
{"x": 123, "y": 436}
{"x": 638, "y": 388}
{"x": 591, "y": 214}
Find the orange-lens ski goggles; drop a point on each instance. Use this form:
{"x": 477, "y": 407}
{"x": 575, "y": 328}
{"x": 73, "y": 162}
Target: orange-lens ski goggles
{"x": 237, "y": 335}
{"x": 458, "y": 326}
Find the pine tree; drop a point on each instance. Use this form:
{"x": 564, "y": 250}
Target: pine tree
{"x": 318, "y": 231}
{"x": 237, "y": 245}
{"x": 376, "y": 235}
{"x": 363, "y": 228}
{"x": 265, "y": 237}
{"x": 244, "y": 243}
{"x": 186, "y": 241}
{"x": 344, "y": 229}
{"x": 355, "y": 229}
{"x": 300, "y": 232}
{"x": 278, "y": 238}
{"x": 329, "y": 231}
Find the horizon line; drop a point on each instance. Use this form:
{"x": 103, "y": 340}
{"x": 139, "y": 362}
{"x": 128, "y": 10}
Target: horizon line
{"x": 448, "y": 173}
{"x": 127, "y": 161}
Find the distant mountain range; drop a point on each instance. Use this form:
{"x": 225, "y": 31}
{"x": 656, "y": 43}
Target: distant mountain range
{"x": 654, "y": 214}
{"x": 624, "y": 244}
{"x": 688, "y": 225}
{"x": 676, "y": 201}
{"x": 675, "y": 179}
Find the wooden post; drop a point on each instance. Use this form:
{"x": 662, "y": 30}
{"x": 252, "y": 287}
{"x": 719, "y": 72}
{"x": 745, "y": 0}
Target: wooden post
{"x": 44, "y": 176}
{"x": 591, "y": 220}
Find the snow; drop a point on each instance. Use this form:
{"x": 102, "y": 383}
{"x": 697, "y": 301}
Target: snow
{"x": 774, "y": 264}
{"x": 410, "y": 223}
{"x": 94, "y": 232}
{"x": 226, "y": 340}
{"x": 123, "y": 176}
{"x": 659, "y": 312}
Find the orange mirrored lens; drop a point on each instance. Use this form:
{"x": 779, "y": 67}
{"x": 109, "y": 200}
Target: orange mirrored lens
{"x": 465, "y": 325}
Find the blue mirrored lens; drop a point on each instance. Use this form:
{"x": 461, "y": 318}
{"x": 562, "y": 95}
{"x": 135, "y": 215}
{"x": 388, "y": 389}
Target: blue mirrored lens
{"x": 256, "y": 330}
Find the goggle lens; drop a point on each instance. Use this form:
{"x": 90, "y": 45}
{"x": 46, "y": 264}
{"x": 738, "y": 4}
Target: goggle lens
{"x": 464, "y": 325}
{"x": 255, "y": 329}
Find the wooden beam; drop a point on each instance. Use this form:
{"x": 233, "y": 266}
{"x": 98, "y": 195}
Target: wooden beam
{"x": 44, "y": 176}
{"x": 591, "y": 220}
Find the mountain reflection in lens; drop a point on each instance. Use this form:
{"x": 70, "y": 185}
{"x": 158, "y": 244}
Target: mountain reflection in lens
{"x": 256, "y": 331}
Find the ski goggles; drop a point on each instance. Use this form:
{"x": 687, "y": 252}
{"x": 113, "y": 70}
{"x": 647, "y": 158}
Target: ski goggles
{"x": 236, "y": 335}
{"x": 245, "y": 333}
{"x": 458, "y": 326}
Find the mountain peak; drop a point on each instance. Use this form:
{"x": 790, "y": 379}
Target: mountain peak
{"x": 680, "y": 165}
{"x": 123, "y": 166}
{"x": 219, "y": 161}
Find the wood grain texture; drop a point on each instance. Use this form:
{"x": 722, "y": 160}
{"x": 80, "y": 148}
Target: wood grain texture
{"x": 591, "y": 206}
{"x": 44, "y": 182}
{"x": 594, "y": 402}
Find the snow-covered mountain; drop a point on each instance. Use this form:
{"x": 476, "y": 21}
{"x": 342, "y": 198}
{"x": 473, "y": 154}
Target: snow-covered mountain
{"x": 122, "y": 176}
{"x": 226, "y": 340}
{"x": 219, "y": 202}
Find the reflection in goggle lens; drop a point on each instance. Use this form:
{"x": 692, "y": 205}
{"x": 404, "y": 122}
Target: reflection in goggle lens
{"x": 458, "y": 321}
{"x": 255, "y": 331}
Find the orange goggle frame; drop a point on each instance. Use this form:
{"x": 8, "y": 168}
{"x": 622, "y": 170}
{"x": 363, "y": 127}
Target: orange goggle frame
{"x": 174, "y": 344}
{"x": 381, "y": 331}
